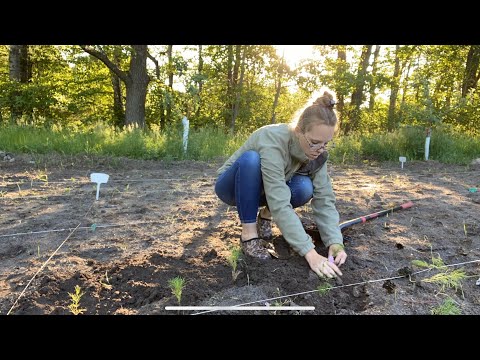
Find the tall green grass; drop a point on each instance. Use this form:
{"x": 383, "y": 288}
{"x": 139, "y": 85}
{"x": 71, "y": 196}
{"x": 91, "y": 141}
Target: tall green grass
{"x": 206, "y": 143}
{"x": 446, "y": 146}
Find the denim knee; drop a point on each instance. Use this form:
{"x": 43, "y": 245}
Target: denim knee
{"x": 250, "y": 160}
{"x": 301, "y": 188}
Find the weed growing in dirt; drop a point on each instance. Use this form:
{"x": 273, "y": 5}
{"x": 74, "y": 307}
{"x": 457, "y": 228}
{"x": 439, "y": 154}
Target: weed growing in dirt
{"x": 448, "y": 307}
{"x": 75, "y": 299}
{"x": 176, "y": 285}
{"x": 232, "y": 260}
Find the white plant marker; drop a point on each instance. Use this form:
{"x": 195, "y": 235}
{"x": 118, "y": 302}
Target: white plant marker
{"x": 99, "y": 178}
{"x": 402, "y": 159}
{"x": 186, "y": 124}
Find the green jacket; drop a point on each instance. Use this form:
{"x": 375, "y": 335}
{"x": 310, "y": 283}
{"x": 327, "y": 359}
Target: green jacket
{"x": 281, "y": 157}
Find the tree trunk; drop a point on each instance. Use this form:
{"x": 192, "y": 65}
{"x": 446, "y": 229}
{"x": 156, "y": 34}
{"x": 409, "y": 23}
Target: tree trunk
{"x": 18, "y": 62}
{"x": 470, "y": 78}
{"x": 200, "y": 81}
{"x": 277, "y": 93}
{"x": 136, "y": 87}
{"x": 170, "y": 83}
{"x": 371, "y": 103}
{"x": 341, "y": 61}
{"x": 357, "y": 95}
{"x": 238, "y": 88}
{"x": 405, "y": 84}
{"x": 118, "y": 110}
{"x": 18, "y": 70}
{"x": 136, "y": 81}
{"x": 391, "y": 120}
{"x": 229, "y": 96}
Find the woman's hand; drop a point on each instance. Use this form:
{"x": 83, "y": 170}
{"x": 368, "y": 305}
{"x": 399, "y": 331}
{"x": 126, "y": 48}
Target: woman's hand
{"x": 337, "y": 251}
{"x": 321, "y": 266}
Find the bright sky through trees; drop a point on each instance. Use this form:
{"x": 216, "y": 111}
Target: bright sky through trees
{"x": 295, "y": 53}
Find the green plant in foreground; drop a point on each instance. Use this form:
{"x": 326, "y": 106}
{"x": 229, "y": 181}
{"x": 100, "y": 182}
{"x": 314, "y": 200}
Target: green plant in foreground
{"x": 233, "y": 258}
{"x": 176, "y": 285}
{"x": 324, "y": 288}
{"x": 448, "y": 307}
{"x": 448, "y": 279}
{"x": 75, "y": 298}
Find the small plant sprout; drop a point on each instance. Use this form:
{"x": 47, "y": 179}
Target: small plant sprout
{"x": 324, "y": 288}
{"x": 465, "y": 228}
{"x": 176, "y": 285}
{"x": 75, "y": 301}
{"x": 232, "y": 259}
{"x": 448, "y": 279}
{"x": 448, "y": 307}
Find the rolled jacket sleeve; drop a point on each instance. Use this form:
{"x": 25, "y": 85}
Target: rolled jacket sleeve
{"x": 324, "y": 210}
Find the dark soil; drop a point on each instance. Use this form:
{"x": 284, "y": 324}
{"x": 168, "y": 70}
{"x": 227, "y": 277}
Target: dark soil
{"x": 156, "y": 220}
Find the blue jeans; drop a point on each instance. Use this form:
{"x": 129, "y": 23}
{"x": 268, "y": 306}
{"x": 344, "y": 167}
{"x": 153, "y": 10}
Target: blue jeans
{"x": 241, "y": 185}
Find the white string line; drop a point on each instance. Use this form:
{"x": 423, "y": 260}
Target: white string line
{"x": 343, "y": 286}
{"x": 51, "y": 256}
{"x": 67, "y": 229}
{"x": 83, "y": 228}
{"x": 41, "y": 268}
{"x": 182, "y": 179}
{"x": 70, "y": 194}
{"x": 72, "y": 182}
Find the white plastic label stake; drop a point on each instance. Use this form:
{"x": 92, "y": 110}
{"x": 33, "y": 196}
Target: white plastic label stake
{"x": 186, "y": 124}
{"x": 402, "y": 159}
{"x": 99, "y": 178}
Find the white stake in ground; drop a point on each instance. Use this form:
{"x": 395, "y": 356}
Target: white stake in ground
{"x": 186, "y": 125}
{"x": 402, "y": 159}
{"x": 99, "y": 178}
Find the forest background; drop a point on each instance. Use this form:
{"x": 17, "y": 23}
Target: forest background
{"x": 128, "y": 100}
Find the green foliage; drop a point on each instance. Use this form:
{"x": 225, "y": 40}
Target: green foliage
{"x": 208, "y": 143}
{"x": 448, "y": 279}
{"x": 70, "y": 89}
{"x": 446, "y": 145}
{"x": 448, "y": 307}
{"x": 74, "y": 306}
{"x": 324, "y": 288}
{"x": 233, "y": 258}
{"x": 176, "y": 285}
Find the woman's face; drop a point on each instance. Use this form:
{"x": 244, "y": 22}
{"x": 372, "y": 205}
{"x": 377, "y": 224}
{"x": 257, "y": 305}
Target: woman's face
{"x": 316, "y": 140}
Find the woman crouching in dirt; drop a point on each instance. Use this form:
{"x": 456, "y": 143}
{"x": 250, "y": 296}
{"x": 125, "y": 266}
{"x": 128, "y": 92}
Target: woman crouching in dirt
{"x": 281, "y": 167}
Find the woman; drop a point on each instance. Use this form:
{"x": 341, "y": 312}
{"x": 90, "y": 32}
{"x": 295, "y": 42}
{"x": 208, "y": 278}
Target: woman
{"x": 282, "y": 167}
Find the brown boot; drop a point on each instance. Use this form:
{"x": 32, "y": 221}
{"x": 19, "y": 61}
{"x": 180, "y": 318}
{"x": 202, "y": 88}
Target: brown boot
{"x": 255, "y": 248}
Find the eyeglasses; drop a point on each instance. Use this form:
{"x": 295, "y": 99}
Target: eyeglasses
{"x": 326, "y": 146}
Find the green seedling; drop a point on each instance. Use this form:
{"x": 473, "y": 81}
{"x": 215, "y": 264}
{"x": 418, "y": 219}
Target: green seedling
{"x": 176, "y": 285}
{"x": 437, "y": 262}
{"x": 448, "y": 279}
{"x": 324, "y": 288}
{"x": 235, "y": 253}
{"x": 3, "y": 194}
{"x": 75, "y": 304}
{"x": 465, "y": 229}
{"x": 448, "y": 307}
